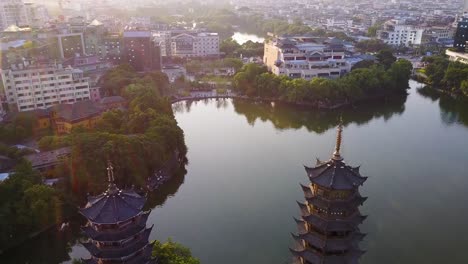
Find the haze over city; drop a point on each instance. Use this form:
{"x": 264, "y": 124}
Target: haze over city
{"x": 255, "y": 132}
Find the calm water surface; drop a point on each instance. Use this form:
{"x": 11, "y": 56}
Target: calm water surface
{"x": 237, "y": 201}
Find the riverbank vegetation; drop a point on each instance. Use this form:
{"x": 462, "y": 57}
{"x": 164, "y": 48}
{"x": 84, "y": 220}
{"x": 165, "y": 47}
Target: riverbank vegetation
{"x": 27, "y": 206}
{"x": 206, "y": 67}
{"x": 232, "y": 49}
{"x": 378, "y": 80}
{"x": 137, "y": 140}
{"x": 173, "y": 253}
{"x": 442, "y": 74}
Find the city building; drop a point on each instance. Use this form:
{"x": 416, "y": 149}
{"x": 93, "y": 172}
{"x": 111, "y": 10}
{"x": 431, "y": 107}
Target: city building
{"x": 116, "y": 226}
{"x": 397, "y": 34}
{"x": 187, "y": 43}
{"x": 46, "y": 162}
{"x": 140, "y": 51}
{"x": 306, "y": 57}
{"x": 13, "y": 12}
{"x": 461, "y": 35}
{"x": 195, "y": 45}
{"x": 65, "y": 117}
{"x": 28, "y": 87}
{"x": 457, "y": 56}
{"x": 70, "y": 45}
{"x": 113, "y": 49}
{"x": 328, "y": 230}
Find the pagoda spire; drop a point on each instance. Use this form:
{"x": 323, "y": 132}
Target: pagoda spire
{"x": 112, "y": 188}
{"x": 339, "y": 137}
{"x": 110, "y": 172}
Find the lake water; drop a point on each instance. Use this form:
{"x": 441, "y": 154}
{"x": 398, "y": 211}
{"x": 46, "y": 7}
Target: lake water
{"x": 241, "y": 38}
{"x": 237, "y": 201}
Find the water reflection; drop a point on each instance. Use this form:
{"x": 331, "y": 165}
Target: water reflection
{"x": 169, "y": 189}
{"x": 286, "y": 116}
{"x": 50, "y": 247}
{"x": 452, "y": 111}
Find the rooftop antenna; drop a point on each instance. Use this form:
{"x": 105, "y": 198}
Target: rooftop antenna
{"x": 339, "y": 137}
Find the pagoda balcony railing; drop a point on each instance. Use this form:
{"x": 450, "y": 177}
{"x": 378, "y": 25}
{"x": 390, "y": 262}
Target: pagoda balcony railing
{"x": 120, "y": 244}
{"x": 327, "y": 215}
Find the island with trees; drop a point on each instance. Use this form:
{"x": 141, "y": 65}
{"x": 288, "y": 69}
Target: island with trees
{"x": 387, "y": 77}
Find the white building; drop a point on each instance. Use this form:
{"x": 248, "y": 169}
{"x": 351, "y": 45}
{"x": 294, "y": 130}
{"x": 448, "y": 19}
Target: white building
{"x": 397, "y": 34}
{"x": 12, "y": 12}
{"x": 30, "y": 87}
{"x": 187, "y": 43}
{"x": 306, "y": 57}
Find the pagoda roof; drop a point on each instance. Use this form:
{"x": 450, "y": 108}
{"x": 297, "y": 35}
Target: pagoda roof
{"x": 330, "y": 244}
{"x": 314, "y": 256}
{"x": 342, "y": 205}
{"x": 345, "y": 224}
{"x": 119, "y": 253}
{"x": 113, "y": 206}
{"x": 144, "y": 258}
{"x": 335, "y": 174}
{"x": 353, "y": 201}
{"x": 117, "y": 235}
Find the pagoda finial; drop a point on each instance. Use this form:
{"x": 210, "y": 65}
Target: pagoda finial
{"x": 110, "y": 172}
{"x": 339, "y": 136}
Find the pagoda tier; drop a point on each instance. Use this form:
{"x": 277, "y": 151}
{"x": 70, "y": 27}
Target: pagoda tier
{"x": 329, "y": 224}
{"x": 116, "y": 227}
{"x": 117, "y": 234}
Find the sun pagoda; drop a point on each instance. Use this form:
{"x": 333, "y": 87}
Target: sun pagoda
{"x": 116, "y": 226}
{"x": 329, "y": 224}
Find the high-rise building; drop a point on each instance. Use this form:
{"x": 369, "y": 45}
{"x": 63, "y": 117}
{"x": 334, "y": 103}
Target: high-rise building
{"x": 461, "y": 35}
{"x": 140, "y": 51}
{"x": 29, "y": 87}
{"x": 70, "y": 45}
{"x": 116, "y": 226}
{"x": 330, "y": 218}
{"x": 12, "y": 12}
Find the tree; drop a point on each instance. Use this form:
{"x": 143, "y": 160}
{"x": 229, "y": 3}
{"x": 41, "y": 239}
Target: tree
{"x": 363, "y": 64}
{"x": 173, "y": 253}
{"x": 386, "y": 58}
{"x": 371, "y": 45}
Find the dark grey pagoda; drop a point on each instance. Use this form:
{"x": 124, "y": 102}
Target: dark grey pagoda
{"x": 116, "y": 226}
{"x": 329, "y": 224}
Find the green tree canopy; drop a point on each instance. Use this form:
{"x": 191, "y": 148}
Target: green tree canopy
{"x": 173, "y": 253}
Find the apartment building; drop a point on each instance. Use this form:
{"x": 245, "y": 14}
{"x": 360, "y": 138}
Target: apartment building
{"x": 29, "y": 87}
{"x": 187, "y": 43}
{"x": 306, "y": 57}
{"x": 12, "y": 12}
{"x": 396, "y": 33}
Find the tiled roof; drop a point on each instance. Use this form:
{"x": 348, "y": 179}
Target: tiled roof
{"x": 113, "y": 206}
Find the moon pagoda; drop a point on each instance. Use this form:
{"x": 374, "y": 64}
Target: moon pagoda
{"x": 329, "y": 224}
{"x": 116, "y": 226}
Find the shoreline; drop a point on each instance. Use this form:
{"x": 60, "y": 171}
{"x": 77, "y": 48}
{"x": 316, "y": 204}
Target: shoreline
{"x": 309, "y": 105}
